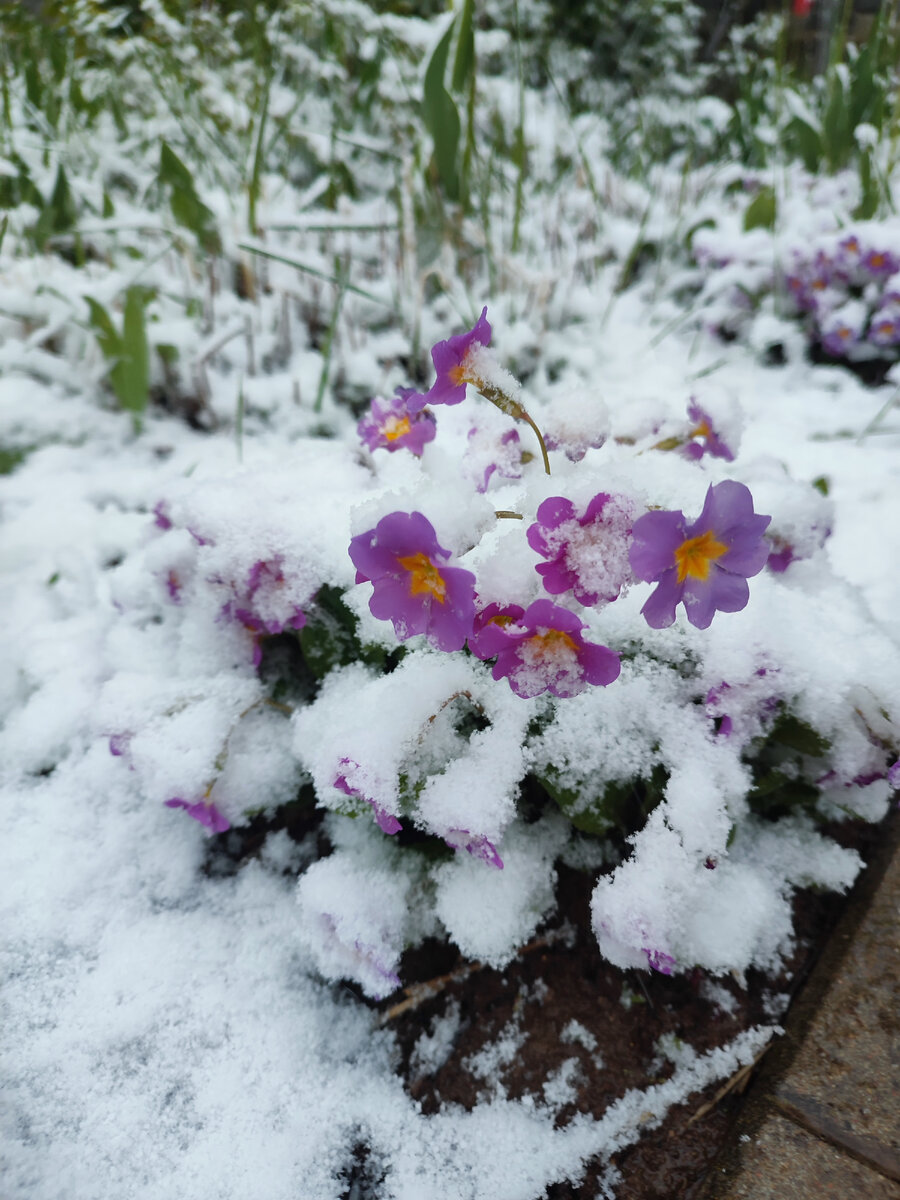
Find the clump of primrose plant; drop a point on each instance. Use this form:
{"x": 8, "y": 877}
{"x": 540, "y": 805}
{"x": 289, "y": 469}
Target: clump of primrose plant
{"x": 603, "y": 652}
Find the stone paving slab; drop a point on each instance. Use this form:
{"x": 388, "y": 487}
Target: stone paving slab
{"x": 781, "y": 1161}
{"x": 824, "y": 1116}
{"x": 845, "y": 1080}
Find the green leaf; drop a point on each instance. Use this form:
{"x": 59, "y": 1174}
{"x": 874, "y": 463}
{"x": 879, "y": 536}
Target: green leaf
{"x": 11, "y": 456}
{"x": 761, "y": 211}
{"x": 130, "y": 377}
{"x": 706, "y": 223}
{"x": 59, "y": 214}
{"x": 807, "y": 141}
{"x": 442, "y": 118}
{"x": 821, "y": 484}
{"x": 464, "y": 62}
{"x": 790, "y": 731}
{"x": 187, "y": 207}
{"x": 107, "y": 335}
{"x": 863, "y": 89}
{"x": 870, "y": 196}
{"x": 128, "y": 352}
{"x": 622, "y": 805}
{"x": 837, "y": 133}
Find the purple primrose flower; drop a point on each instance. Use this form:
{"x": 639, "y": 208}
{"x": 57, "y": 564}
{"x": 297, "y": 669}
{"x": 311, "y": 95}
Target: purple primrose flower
{"x": 203, "y": 811}
{"x": 545, "y": 652}
{"x": 838, "y": 336}
{"x": 455, "y": 365}
{"x": 704, "y": 565}
{"x": 387, "y": 822}
{"x": 704, "y": 438}
{"x": 389, "y": 425}
{"x": 884, "y": 327}
{"x": 414, "y": 589}
{"x": 489, "y": 632}
{"x": 880, "y": 264}
{"x": 587, "y": 552}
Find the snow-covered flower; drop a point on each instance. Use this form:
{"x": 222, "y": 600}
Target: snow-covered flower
{"x": 487, "y": 455}
{"x": 161, "y": 518}
{"x": 389, "y": 425}
{"x": 204, "y": 811}
{"x": 659, "y": 960}
{"x": 455, "y": 364}
{"x": 879, "y": 264}
{"x": 587, "y": 552}
{"x": 577, "y": 421}
{"x": 119, "y": 743}
{"x": 884, "y": 327}
{"x": 259, "y": 603}
{"x": 704, "y": 565}
{"x": 475, "y": 844}
{"x": 842, "y": 330}
{"x": 546, "y": 652}
{"x": 387, "y": 822}
{"x": 414, "y": 588}
{"x": 704, "y": 437}
{"x": 355, "y": 919}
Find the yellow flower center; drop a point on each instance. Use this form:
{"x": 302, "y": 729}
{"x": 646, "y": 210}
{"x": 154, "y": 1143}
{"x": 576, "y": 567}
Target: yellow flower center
{"x": 465, "y": 372}
{"x": 551, "y": 646}
{"x": 701, "y": 430}
{"x": 396, "y": 427}
{"x": 424, "y": 577}
{"x": 694, "y": 555}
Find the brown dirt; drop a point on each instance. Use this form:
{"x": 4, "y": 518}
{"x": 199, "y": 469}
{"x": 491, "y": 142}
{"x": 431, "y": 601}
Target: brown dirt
{"x": 560, "y": 977}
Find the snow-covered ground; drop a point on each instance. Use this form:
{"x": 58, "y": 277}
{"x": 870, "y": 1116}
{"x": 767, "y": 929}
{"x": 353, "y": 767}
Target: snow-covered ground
{"x": 170, "y": 1031}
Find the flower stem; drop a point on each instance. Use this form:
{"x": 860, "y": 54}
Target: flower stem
{"x": 509, "y": 405}
{"x": 525, "y": 417}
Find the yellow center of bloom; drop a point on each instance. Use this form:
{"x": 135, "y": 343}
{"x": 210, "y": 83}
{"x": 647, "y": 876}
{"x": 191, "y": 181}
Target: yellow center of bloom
{"x": 694, "y": 555}
{"x": 465, "y": 371}
{"x": 551, "y": 646}
{"x": 701, "y": 430}
{"x": 396, "y": 427}
{"x": 424, "y": 577}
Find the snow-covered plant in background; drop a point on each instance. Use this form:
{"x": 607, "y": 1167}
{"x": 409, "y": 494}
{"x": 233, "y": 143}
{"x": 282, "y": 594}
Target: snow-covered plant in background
{"x": 842, "y": 289}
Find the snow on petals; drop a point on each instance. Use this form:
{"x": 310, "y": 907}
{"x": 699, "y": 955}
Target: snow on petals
{"x": 588, "y": 552}
{"x": 387, "y": 822}
{"x": 545, "y": 652}
{"x": 414, "y": 588}
{"x": 389, "y": 425}
{"x": 475, "y": 844}
{"x": 455, "y": 364}
{"x": 704, "y": 437}
{"x": 704, "y": 565}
